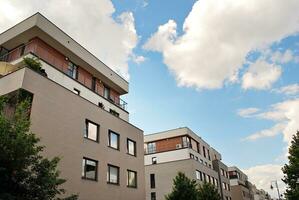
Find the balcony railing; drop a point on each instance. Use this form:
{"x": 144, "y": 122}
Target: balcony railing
{"x": 26, "y": 49}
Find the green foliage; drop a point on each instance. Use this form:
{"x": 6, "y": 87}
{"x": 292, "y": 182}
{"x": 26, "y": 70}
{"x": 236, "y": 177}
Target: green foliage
{"x": 183, "y": 189}
{"x": 291, "y": 170}
{"x": 35, "y": 65}
{"x": 207, "y": 191}
{"x": 24, "y": 173}
{"x": 187, "y": 189}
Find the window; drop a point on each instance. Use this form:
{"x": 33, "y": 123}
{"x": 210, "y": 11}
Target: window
{"x": 196, "y": 158}
{"x": 91, "y": 130}
{"x": 198, "y": 175}
{"x": 213, "y": 180}
{"x": 204, "y": 151}
{"x": 106, "y": 92}
{"x": 72, "y": 70}
{"x": 152, "y": 181}
{"x": 151, "y": 147}
{"x": 131, "y": 147}
{"x": 191, "y": 156}
{"x": 113, "y": 174}
{"x": 154, "y": 160}
{"x": 132, "y": 179}
{"x": 93, "y": 83}
{"x": 204, "y": 176}
{"x": 209, "y": 178}
{"x": 209, "y": 154}
{"x": 201, "y": 161}
{"x": 113, "y": 112}
{"x": 113, "y": 140}
{"x": 186, "y": 141}
{"x": 89, "y": 169}
{"x": 76, "y": 91}
{"x": 153, "y": 195}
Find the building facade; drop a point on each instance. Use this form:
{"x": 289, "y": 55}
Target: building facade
{"x": 76, "y": 111}
{"x": 181, "y": 150}
{"x": 241, "y": 188}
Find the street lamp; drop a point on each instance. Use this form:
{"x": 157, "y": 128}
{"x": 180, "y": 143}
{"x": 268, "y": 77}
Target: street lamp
{"x": 276, "y": 185}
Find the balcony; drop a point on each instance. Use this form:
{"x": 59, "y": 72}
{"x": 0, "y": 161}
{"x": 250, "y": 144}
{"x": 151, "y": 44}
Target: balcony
{"x": 151, "y": 147}
{"x": 67, "y": 82}
{"x": 48, "y": 58}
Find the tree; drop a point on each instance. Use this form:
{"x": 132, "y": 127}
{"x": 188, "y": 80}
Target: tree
{"x": 183, "y": 189}
{"x": 291, "y": 170}
{"x": 35, "y": 65}
{"x": 207, "y": 191}
{"x": 24, "y": 173}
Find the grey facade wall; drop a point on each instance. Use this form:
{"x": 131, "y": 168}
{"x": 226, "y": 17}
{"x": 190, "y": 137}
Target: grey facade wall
{"x": 58, "y": 118}
{"x": 166, "y": 172}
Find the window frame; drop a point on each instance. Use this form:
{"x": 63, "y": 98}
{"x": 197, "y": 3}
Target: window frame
{"x": 108, "y": 174}
{"x": 135, "y": 146}
{"x": 152, "y": 181}
{"x": 84, "y": 172}
{"x": 136, "y": 182}
{"x": 109, "y": 139}
{"x": 86, "y": 131}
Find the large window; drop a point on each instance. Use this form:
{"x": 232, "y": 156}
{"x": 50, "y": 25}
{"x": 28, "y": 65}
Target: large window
{"x": 72, "y": 70}
{"x": 132, "y": 179}
{"x": 131, "y": 147}
{"x": 152, "y": 181}
{"x": 113, "y": 141}
{"x": 89, "y": 169}
{"x": 91, "y": 130}
{"x": 106, "y": 92}
{"x": 151, "y": 147}
{"x": 113, "y": 174}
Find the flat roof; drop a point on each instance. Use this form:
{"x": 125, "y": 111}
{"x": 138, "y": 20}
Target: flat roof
{"x": 38, "y": 25}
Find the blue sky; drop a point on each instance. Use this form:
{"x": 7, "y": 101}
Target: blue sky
{"x": 226, "y": 69}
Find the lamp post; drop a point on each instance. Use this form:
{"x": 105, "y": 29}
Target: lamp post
{"x": 276, "y": 185}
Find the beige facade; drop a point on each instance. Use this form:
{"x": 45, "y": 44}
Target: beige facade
{"x": 62, "y": 118}
{"x": 181, "y": 150}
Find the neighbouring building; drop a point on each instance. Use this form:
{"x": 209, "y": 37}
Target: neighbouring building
{"x": 260, "y": 194}
{"x": 241, "y": 188}
{"x": 76, "y": 110}
{"x": 168, "y": 152}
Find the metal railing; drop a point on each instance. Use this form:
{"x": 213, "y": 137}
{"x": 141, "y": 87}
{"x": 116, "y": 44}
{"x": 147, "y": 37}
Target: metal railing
{"x": 22, "y": 51}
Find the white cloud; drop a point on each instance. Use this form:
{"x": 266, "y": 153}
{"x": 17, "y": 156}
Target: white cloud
{"x": 292, "y": 89}
{"x": 218, "y": 35}
{"x": 286, "y": 116}
{"x": 263, "y": 175}
{"x": 247, "y": 112}
{"x": 275, "y": 130}
{"x": 138, "y": 59}
{"x": 285, "y": 57}
{"x": 89, "y": 22}
{"x": 261, "y": 75}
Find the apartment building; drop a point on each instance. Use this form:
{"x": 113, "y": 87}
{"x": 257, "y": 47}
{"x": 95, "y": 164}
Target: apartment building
{"x": 260, "y": 194}
{"x": 76, "y": 110}
{"x": 241, "y": 188}
{"x": 168, "y": 152}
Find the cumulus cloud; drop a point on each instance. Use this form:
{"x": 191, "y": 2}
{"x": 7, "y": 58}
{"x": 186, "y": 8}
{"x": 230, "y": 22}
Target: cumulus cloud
{"x": 247, "y": 112}
{"x": 280, "y": 57}
{"x": 292, "y": 89}
{"x": 217, "y": 37}
{"x": 261, "y": 75}
{"x": 89, "y": 22}
{"x": 263, "y": 175}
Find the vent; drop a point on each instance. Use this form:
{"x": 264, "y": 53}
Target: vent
{"x": 178, "y": 146}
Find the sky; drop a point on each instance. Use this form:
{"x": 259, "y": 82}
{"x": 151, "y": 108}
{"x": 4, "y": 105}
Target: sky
{"x": 226, "y": 69}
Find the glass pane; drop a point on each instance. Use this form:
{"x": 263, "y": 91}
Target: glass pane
{"x": 113, "y": 175}
{"x": 113, "y": 140}
{"x": 131, "y": 146}
{"x": 90, "y": 169}
{"x": 131, "y": 179}
{"x": 83, "y": 167}
{"x": 92, "y": 131}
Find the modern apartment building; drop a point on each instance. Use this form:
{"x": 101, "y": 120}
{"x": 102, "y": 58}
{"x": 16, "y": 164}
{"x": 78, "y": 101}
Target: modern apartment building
{"x": 76, "y": 111}
{"x": 168, "y": 152}
{"x": 241, "y": 188}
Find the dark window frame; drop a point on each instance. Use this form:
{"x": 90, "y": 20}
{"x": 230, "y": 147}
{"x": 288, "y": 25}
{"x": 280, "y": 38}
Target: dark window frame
{"x": 87, "y": 121}
{"x": 135, "y": 147}
{"x": 136, "y": 181}
{"x": 96, "y": 171}
{"x": 118, "y": 173}
{"x": 152, "y": 181}
{"x": 109, "y": 139}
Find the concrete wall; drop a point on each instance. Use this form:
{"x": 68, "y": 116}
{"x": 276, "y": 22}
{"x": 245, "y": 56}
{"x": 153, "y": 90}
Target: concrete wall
{"x": 58, "y": 118}
{"x": 166, "y": 172}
